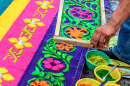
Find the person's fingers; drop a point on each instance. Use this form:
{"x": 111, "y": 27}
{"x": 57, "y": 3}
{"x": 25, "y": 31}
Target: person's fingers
{"x": 95, "y": 39}
{"x": 107, "y": 41}
{"x": 101, "y": 41}
{"x": 92, "y": 39}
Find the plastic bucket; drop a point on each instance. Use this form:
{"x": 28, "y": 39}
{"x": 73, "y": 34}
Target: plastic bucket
{"x": 115, "y": 74}
{"x": 87, "y": 81}
{"x": 92, "y": 66}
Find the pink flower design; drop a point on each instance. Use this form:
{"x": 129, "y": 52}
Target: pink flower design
{"x": 46, "y": 62}
{"x": 56, "y": 62}
{"x": 56, "y": 67}
{"x": 50, "y": 59}
{"x": 48, "y": 66}
{"x": 81, "y": 13}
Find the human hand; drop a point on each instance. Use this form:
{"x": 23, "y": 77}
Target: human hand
{"x": 102, "y": 35}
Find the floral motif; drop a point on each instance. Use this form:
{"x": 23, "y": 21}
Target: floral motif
{"x": 45, "y": 4}
{"x": 39, "y": 83}
{"x": 33, "y": 22}
{"x": 19, "y": 44}
{"x": 81, "y": 13}
{"x": 4, "y": 75}
{"x": 56, "y": 67}
{"x": 74, "y": 32}
{"x": 67, "y": 47}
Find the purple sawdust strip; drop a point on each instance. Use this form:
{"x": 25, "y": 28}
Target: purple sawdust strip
{"x": 80, "y": 66}
{"x": 66, "y": 77}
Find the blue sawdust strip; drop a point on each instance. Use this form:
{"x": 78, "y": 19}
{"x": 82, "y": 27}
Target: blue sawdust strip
{"x": 4, "y": 5}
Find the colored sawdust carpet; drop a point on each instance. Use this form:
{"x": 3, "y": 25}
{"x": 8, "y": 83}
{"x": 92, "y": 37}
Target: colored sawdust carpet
{"x": 28, "y": 55}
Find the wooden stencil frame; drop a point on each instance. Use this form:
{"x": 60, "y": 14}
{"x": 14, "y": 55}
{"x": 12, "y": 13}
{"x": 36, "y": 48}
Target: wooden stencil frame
{"x": 77, "y": 42}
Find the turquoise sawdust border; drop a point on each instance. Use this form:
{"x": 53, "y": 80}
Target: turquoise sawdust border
{"x": 4, "y": 5}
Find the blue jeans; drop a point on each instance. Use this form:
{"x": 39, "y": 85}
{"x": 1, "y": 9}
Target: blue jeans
{"x": 122, "y": 49}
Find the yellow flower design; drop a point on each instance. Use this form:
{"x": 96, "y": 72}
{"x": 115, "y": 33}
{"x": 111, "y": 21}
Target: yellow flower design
{"x": 33, "y": 22}
{"x": 4, "y": 75}
{"x": 19, "y": 44}
{"x": 45, "y": 4}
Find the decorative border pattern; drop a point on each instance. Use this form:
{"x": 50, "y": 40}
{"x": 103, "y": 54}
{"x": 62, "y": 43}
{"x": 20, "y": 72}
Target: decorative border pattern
{"x": 24, "y": 36}
{"x": 23, "y": 40}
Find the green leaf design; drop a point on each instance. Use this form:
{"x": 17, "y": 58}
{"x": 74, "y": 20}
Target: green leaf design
{"x": 64, "y": 55}
{"x": 62, "y": 84}
{"x": 51, "y": 42}
{"x": 39, "y": 64}
{"x": 58, "y": 74}
{"x": 55, "y": 77}
{"x": 52, "y": 79}
{"x": 49, "y": 55}
{"x": 59, "y": 83}
{"x": 54, "y": 51}
{"x": 51, "y": 48}
{"x": 47, "y": 77}
{"x": 33, "y": 79}
{"x": 67, "y": 66}
{"x": 59, "y": 53}
{"x": 68, "y": 58}
{"x": 56, "y": 82}
{"x": 50, "y": 45}
{"x": 36, "y": 72}
{"x": 61, "y": 78}
{"x": 42, "y": 74}
{"x": 45, "y": 48}
{"x": 44, "y": 52}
